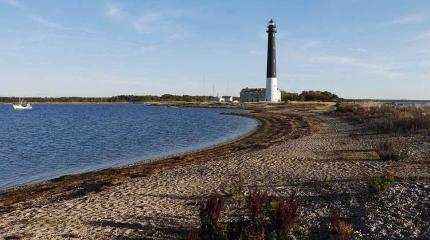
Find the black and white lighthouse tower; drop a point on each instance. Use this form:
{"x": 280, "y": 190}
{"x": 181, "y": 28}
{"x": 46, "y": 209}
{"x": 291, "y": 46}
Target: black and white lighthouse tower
{"x": 272, "y": 92}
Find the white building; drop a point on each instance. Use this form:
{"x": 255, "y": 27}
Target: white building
{"x": 226, "y": 99}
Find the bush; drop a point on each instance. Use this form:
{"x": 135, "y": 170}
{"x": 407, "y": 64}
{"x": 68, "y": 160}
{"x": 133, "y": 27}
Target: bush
{"x": 381, "y": 183}
{"x": 285, "y": 215}
{"x": 339, "y": 229}
{"x": 268, "y": 218}
{"x": 256, "y": 202}
{"x": 320, "y": 96}
{"x": 302, "y": 233}
{"x": 287, "y": 96}
{"x": 275, "y": 220}
{"x": 391, "y": 150}
{"x": 210, "y": 213}
{"x": 353, "y": 109}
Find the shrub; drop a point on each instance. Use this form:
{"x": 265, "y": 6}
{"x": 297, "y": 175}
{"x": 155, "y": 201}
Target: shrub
{"x": 381, "y": 183}
{"x": 287, "y": 96}
{"x": 269, "y": 219}
{"x": 349, "y": 108}
{"x": 210, "y": 213}
{"x": 285, "y": 214}
{"x": 193, "y": 236}
{"x": 235, "y": 229}
{"x": 302, "y": 233}
{"x": 256, "y": 201}
{"x": 391, "y": 150}
{"x": 339, "y": 229}
{"x": 324, "y": 96}
{"x": 321, "y": 96}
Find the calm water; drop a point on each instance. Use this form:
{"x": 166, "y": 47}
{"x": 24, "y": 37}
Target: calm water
{"x": 412, "y": 103}
{"x": 54, "y": 140}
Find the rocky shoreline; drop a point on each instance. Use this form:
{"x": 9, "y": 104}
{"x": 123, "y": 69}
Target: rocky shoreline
{"x": 328, "y": 160}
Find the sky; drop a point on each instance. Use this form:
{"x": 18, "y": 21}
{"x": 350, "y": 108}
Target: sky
{"x": 354, "y": 48}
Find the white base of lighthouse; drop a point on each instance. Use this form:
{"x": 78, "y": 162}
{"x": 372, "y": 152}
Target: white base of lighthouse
{"x": 273, "y": 94}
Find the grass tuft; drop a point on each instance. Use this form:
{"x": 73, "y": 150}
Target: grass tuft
{"x": 391, "y": 150}
{"x": 381, "y": 183}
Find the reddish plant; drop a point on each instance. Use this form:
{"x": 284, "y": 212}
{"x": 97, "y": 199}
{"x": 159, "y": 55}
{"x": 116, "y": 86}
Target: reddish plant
{"x": 339, "y": 229}
{"x": 256, "y": 201}
{"x": 193, "y": 236}
{"x": 286, "y": 214}
{"x": 210, "y": 212}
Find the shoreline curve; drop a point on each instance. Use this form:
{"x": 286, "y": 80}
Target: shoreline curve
{"x": 271, "y": 128}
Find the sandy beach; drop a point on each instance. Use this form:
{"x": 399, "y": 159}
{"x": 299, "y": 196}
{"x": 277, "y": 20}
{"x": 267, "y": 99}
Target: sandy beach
{"x": 327, "y": 159}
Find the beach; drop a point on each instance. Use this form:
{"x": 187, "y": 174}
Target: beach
{"x": 327, "y": 159}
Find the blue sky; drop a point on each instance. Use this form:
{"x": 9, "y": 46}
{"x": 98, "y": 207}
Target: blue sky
{"x": 355, "y": 48}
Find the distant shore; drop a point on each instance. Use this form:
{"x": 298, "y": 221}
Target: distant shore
{"x": 160, "y": 103}
{"x": 9, "y": 103}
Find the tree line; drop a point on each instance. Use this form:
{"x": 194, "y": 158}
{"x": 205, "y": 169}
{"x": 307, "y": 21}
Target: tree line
{"x": 320, "y": 96}
{"x": 113, "y": 99}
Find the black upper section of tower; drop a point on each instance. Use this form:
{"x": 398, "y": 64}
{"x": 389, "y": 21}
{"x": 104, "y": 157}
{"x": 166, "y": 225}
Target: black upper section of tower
{"x": 271, "y": 49}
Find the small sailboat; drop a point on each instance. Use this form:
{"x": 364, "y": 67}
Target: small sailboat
{"x": 22, "y": 106}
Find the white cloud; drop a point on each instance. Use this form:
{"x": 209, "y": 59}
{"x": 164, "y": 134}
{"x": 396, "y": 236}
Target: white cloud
{"x": 308, "y": 44}
{"x": 356, "y": 63}
{"x": 422, "y": 36}
{"x": 415, "y": 18}
{"x": 115, "y": 12}
{"x": 298, "y": 75}
{"x": 426, "y": 63}
{"x": 146, "y": 22}
{"x": 332, "y": 59}
{"x": 44, "y": 22}
{"x": 148, "y": 49}
{"x": 256, "y": 52}
{"x": 361, "y": 50}
{"x": 178, "y": 36}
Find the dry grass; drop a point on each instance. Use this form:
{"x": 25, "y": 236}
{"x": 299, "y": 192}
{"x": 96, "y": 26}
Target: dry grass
{"x": 388, "y": 118}
{"x": 391, "y": 150}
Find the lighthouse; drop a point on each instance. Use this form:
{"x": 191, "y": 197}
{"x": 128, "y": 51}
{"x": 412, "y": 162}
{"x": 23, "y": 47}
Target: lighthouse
{"x": 273, "y": 94}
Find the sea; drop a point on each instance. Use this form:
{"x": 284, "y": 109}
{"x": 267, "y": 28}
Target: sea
{"x": 53, "y": 140}
{"x": 411, "y": 103}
